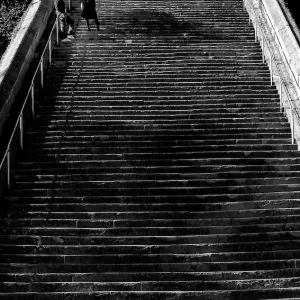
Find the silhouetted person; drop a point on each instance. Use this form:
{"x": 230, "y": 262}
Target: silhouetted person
{"x": 89, "y": 12}
{"x": 63, "y": 16}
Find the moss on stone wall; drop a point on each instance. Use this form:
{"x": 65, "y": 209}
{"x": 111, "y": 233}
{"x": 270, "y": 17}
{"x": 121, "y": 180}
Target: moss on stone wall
{"x": 11, "y": 12}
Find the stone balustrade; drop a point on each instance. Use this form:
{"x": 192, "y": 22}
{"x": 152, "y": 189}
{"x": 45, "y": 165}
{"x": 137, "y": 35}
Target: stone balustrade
{"x": 284, "y": 47}
{"x": 18, "y": 57}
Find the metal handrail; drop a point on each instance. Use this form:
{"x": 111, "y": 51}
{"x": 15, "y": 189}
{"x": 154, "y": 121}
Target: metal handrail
{"x": 272, "y": 60}
{"x": 20, "y": 120}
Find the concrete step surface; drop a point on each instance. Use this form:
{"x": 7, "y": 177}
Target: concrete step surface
{"x": 158, "y": 165}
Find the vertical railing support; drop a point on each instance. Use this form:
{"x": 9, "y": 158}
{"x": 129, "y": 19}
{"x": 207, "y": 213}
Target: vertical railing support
{"x": 271, "y": 70}
{"x": 42, "y": 72}
{"x": 281, "y": 96}
{"x": 32, "y": 98}
{"x": 50, "y": 50}
{"x": 21, "y": 131}
{"x": 292, "y": 124}
{"x": 8, "y": 167}
{"x": 263, "y": 49}
{"x": 57, "y": 31}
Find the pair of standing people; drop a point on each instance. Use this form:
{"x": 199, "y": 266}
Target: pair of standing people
{"x": 88, "y": 12}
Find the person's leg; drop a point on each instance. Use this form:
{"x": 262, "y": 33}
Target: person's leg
{"x": 97, "y": 23}
{"x": 62, "y": 24}
{"x": 70, "y": 22}
{"x": 96, "y": 20}
{"x": 88, "y": 24}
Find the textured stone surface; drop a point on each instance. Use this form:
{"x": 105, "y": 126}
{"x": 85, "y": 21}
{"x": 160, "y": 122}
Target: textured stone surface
{"x": 284, "y": 47}
{"x": 158, "y": 165}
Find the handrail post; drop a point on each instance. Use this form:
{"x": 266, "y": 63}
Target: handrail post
{"x": 281, "y": 95}
{"x": 21, "y": 131}
{"x": 50, "y": 49}
{"x": 32, "y": 98}
{"x": 255, "y": 29}
{"x": 42, "y": 72}
{"x": 292, "y": 124}
{"x": 8, "y": 166}
{"x": 57, "y": 31}
{"x": 271, "y": 70}
{"x": 263, "y": 48}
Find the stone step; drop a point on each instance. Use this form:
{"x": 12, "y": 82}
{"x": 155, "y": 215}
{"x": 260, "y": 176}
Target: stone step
{"x": 251, "y": 60}
{"x": 233, "y": 268}
{"x": 174, "y": 58}
{"x": 279, "y": 293}
{"x": 158, "y": 222}
{"x": 167, "y": 124}
{"x": 229, "y": 192}
{"x": 106, "y": 142}
{"x": 22, "y": 176}
{"x": 173, "y": 203}
{"x": 76, "y": 126}
{"x": 152, "y": 79}
{"x": 158, "y": 119}
{"x": 121, "y": 259}
{"x": 172, "y": 183}
{"x": 147, "y": 134}
{"x": 114, "y": 138}
{"x": 232, "y": 164}
{"x": 60, "y": 248}
{"x": 286, "y": 237}
{"x": 158, "y": 154}
{"x": 149, "y": 286}
{"x": 65, "y": 148}
{"x": 158, "y": 165}
{"x": 189, "y": 172}
{"x": 162, "y": 103}
{"x": 143, "y": 276}
{"x": 109, "y": 230}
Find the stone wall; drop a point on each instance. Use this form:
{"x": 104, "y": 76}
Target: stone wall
{"x": 18, "y": 56}
{"x": 282, "y": 37}
{"x": 285, "y": 35}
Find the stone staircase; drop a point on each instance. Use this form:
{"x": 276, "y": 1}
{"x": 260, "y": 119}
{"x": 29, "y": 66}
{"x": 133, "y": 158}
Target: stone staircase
{"x": 158, "y": 165}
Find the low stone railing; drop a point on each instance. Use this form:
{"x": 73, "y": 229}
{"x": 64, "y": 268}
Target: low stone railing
{"x": 281, "y": 51}
{"x": 18, "y": 57}
{"x": 15, "y": 64}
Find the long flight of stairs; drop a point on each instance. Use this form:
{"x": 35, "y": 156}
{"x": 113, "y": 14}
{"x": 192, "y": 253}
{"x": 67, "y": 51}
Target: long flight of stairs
{"x": 158, "y": 165}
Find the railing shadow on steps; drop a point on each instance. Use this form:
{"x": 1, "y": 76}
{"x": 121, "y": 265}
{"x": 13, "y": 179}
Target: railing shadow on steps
{"x": 281, "y": 73}
{"x": 44, "y": 62}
